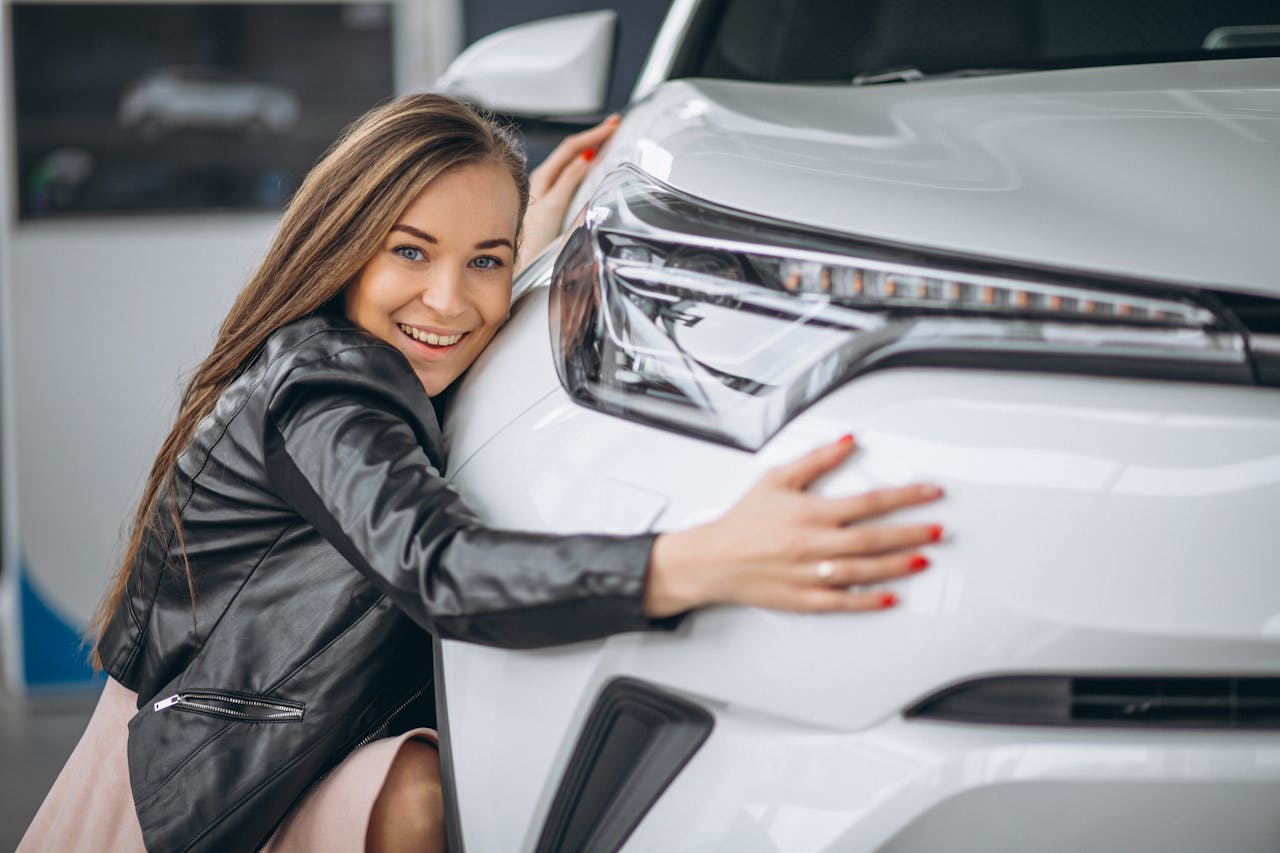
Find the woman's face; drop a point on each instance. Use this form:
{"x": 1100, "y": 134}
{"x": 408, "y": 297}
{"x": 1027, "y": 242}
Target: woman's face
{"x": 440, "y": 284}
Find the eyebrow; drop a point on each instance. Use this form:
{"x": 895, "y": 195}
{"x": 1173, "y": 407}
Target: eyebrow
{"x": 483, "y": 244}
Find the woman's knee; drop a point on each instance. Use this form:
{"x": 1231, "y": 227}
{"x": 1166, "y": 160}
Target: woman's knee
{"x": 409, "y": 811}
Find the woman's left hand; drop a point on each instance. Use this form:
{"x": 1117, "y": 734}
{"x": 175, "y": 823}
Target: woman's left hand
{"x": 552, "y": 185}
{"x": 784, "y": 548}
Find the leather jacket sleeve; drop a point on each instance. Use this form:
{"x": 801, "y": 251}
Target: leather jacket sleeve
{"x": 346, "y": 445}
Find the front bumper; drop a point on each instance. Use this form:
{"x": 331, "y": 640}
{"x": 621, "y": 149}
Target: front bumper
{"x": 1097, "y": 526}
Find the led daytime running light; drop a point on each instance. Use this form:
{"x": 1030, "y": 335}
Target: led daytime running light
{"x": 675, "y": 312}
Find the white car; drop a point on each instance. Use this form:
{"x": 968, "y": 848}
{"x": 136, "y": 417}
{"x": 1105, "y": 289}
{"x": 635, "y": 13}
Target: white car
{"x": 1024, "y": 249}
{"x": 206, "y": 98}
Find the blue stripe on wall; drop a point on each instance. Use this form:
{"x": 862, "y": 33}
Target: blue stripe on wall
{"x": 52, "y": 650}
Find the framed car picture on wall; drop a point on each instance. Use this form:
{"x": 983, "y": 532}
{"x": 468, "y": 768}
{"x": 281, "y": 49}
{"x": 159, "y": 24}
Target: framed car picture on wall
{"x": 123, "y": 108}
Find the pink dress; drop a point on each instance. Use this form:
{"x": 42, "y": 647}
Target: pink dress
{"x": 89, "y": 809}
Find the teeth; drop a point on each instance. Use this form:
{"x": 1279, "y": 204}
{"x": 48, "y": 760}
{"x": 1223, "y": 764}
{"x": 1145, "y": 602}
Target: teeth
{"x": 430, "y": 337}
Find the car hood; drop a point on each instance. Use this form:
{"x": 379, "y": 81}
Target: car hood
{"x": 1167, "y": 172}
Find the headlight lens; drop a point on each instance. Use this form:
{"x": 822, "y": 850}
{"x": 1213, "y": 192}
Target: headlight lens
{"x": 669, "y": 310}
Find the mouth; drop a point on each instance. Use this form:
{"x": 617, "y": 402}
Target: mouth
{"x": 431, "y": 339}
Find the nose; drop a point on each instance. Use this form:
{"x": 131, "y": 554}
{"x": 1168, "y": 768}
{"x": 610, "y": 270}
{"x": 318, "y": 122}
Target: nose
{"x": 445, "y": 293}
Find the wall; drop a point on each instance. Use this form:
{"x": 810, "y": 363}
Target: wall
{"x": 106, "y": 316}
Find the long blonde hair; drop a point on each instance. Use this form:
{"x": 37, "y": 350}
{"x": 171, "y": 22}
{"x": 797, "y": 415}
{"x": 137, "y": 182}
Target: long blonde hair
{"x": 336, "y": 221}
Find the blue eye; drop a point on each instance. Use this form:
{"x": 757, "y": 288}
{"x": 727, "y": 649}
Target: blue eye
{"x": 486, "y": 262}
{"x": 409, "y": 253}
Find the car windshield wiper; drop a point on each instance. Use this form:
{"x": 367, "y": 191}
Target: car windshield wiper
{"x": 906, "y": 74}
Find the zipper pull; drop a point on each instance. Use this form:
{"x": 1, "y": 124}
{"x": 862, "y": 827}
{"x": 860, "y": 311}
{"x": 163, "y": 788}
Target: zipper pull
{"x": 165, "y": 703}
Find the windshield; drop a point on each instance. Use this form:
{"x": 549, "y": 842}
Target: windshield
{"x": 838, "y": 40}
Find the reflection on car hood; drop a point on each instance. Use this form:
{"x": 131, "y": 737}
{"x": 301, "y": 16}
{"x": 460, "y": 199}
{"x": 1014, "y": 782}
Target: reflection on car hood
{"x": 1168, "y": 172}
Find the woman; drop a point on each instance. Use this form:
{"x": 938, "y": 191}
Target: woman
{"x": 296, "y": 542}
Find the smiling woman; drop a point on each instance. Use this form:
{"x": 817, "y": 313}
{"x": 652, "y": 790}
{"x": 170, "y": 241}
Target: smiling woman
{"x": 297, "y": 546}
{"x": 440, "y": 285}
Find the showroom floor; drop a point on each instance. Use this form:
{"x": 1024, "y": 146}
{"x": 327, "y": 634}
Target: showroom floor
{"x": 36, "y": 736}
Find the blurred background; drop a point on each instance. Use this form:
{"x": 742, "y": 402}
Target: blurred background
{"x": 148, "y": 149}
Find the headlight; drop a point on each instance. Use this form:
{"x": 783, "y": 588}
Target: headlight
{"x": 672, "y": 311}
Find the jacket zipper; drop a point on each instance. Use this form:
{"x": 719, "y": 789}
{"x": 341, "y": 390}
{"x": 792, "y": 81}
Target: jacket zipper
{"x": 364, "y": 740}
{"x": 373, "y": 733}
{"x": 212, "y": 702}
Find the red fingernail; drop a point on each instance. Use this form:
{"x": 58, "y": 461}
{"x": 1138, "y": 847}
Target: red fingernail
{"x": 888, "y": 599}
{"x": 589, "y": 154}
{"x": 845, "y": 440}
{"x": 917, "y": 563}
{"x": 935, "y": 532}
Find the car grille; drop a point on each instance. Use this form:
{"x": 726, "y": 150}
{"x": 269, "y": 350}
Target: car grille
{"x": 1200, "y": 702}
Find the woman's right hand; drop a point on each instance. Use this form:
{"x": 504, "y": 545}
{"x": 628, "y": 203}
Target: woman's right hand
{"x": 552, "y": 185}
{"x": 783, "y": 548}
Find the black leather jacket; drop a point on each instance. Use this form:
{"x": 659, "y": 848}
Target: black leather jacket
{"x": 322, "y": 540}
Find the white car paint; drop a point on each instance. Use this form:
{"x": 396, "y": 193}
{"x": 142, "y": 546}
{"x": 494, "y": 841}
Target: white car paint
{"x": 994, "y": 167}
{"x": 1097, "y": 525}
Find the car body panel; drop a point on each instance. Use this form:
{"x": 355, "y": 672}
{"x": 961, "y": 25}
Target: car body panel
{"x": 909, "y": 786}
{"x": 1032, "y": 168}
{"x": 1097, "y": 524}
{"x": 1028, "y": 461}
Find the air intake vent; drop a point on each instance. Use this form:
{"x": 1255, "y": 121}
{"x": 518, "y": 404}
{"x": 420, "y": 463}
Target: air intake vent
{"x": 1238, "y": 702}
{"x": 634, "y": 742}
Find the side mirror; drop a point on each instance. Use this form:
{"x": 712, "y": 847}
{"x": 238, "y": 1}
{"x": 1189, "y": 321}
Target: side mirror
{"x": 553, "y": 68}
